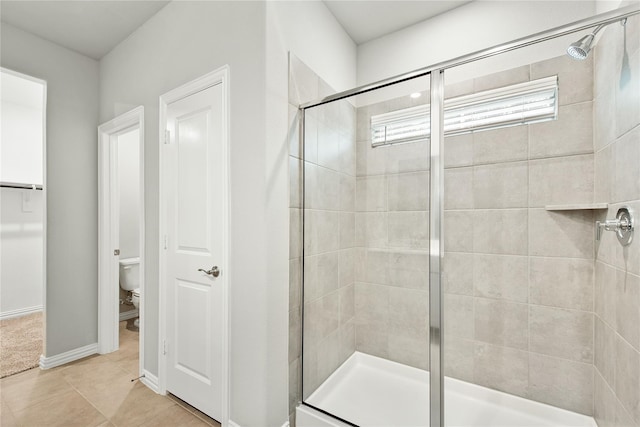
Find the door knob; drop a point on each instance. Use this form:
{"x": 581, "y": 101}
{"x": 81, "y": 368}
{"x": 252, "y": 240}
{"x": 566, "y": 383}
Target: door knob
{"x": 215, "y": 272}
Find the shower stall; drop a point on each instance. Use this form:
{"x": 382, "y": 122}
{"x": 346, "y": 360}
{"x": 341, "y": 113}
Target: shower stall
{"x": 448, "y": 269}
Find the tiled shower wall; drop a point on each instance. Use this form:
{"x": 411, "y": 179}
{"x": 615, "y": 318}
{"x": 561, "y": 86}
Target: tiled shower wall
{"x": 518, "y": 278}
{"x": 617, "y": 276}
{"x": 329, "y": 245}
{"x": 392, "y": 235}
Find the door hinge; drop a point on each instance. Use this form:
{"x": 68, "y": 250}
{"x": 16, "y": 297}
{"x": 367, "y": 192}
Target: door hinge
{"x": 166, "y": 241}
{"x": 167, "y": 137}
{"x": 164, "y": 346}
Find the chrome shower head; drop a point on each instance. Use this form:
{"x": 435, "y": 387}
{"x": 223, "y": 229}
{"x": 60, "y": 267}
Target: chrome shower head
{"x": 580, "y": 49}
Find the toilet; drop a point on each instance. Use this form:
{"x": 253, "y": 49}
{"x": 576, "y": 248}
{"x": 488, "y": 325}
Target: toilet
{"x": 130, "y": 279}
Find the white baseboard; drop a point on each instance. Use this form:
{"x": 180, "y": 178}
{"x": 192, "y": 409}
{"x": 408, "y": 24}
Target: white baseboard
{"x": 150, "y": 381}
{"x": 20, "y": 312}
{"x": 131, "y": 314}
{"x": 232, "y": 424}
{"x": 69, "y": 356}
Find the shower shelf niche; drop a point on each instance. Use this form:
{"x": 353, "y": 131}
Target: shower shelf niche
{"x": 577, "y": 207}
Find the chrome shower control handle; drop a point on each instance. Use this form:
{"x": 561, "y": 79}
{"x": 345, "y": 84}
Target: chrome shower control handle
{"x": 622, "y": 225}
{"x": 215, "y": 272}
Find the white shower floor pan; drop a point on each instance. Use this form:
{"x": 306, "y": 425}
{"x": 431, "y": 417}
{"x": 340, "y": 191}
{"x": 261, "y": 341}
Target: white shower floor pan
{"x": 372, "y": 392}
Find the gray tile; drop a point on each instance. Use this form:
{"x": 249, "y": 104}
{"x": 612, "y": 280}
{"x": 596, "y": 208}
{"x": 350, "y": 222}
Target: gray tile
{"x": 372, "y": 306}
{"x": 347, "y": 230}
{"x": 347, "y": 340}
{"x": 561, "y": 180}
{"x": 563, "y": 234}
{"x": 603, "y": 175}
{"x": 628, "y": 377}
{"x": 328, "y": 355}
{"x": 604, "y": 355}
{"x": 322, "y": 231}
{"x": 626, "y": 172}
{"x": 310, "y": 370}
{"x": 561, "y": 383}
{"x": 575, "y": 79}
{"x": 408, "y": 269}
{"x": 458, "y": 358}
{"x": 410, "y": 157}
{"x": 409, "y": 350}
{"x": 408, "y": 191}
{"x": 375, "y": 267}
{"x": 605, "y": 293}
{"x": 369, "y": 160}
{"x": 295, "y": 334}
{"x": 561, "y": 282}
{"x": 604, "y": 407}
{"x": 458, "y": 231}
{"x": 371, "y": 229}
{"x": 295, "y": 282}
{"x": 409, "y": 229}
{"x": 347, "y": 267}
{"x": 295, "y": 233}
{"x": 310, "y": 142}
{"x": 604, "y": 123}
{"x": 322, "y": 188}
{"x": 454, "y": 90}
{"x": 329, "y": 147}
{"x": 458, "y": 316}
{"x": 571, "y": 133}
{"x": 623, "y": 418}
{"x": 627, "y": 89}
{"x": 321, "y": 318}
{"x": 561, "y": 333}
{"x": 347, "y": 146}
{"x": 501, "y": 185}
{"x": 347, "y": 304}
{"x": 458, "y": 273}
{"x": 458, "y": 188}
{"x": 501, "y": 79}
{"x": 458, "y": 150}
{"x": 501, "y": 145}
{"x": 371, "y": 194}
{"x": 501, "y": 323}
{"x": 501, "y": 368}
{"x": 500, "y": 231}
{"x": 372, "y": 340}
{"x": 293, "y": 133}
{"x": 295, "y": 183}
{"x": 347, "y": 193}
{"x": 501, "y": 276}
{"x": 628, "y": 307}
{"x": 408, "y": 313}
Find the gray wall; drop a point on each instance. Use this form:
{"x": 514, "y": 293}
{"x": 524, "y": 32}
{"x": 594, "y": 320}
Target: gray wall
{"x": 72, "y": 202}
{"x": 617, "y": 181}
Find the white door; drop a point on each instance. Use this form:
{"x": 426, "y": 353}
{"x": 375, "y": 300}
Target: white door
{"x": 194, "y": 176}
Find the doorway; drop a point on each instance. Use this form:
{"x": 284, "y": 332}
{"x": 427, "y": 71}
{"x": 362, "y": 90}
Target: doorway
{"x": 23, "y": 221}
{"x": 121, "y": 236}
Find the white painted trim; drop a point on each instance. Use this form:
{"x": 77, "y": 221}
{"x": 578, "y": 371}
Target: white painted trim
{"x": 232, "y": 424}
{"x": 220, "y": 76}
{"x": 108, "y": 272}
{"x": 150, "y": 381}
{"x": 68, "y": 356}
{"x": 20, "y": 312}
{"x": 131, "y": 314}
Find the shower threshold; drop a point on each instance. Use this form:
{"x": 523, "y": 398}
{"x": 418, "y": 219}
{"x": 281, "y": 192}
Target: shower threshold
{"x": 373, "y": 392}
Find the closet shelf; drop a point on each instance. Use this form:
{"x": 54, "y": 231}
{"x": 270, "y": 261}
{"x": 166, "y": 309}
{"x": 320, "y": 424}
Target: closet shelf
{"x": 577, "y": 207}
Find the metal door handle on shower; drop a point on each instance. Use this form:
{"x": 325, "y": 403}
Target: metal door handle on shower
{"x": 215, "y": 272}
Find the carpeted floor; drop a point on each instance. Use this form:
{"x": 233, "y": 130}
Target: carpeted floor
{"x": 20, "y": 343}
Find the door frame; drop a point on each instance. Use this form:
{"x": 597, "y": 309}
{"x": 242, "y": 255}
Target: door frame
{"x": 218, "y": 76}
{"x": 108, "y": 215}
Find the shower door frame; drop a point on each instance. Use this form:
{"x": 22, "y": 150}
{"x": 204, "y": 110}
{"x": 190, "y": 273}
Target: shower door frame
{"x": 436, "y": 195}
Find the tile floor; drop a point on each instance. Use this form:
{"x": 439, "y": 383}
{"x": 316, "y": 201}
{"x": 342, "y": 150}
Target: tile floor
{"x": 95, "y": 391}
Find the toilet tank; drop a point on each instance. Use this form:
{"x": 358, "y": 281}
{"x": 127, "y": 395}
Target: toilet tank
{"x": 129, "y": 273}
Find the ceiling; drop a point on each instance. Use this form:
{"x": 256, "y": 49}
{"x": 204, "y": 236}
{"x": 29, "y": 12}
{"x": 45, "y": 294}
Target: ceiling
{"x": 94, "y": 27}
{"x": 91, "y": 28}
{"x": 368, "y": 20}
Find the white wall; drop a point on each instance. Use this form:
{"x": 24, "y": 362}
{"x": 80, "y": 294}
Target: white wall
{"x": 129, "y": 192}
{"x": 72, "y": 246}
{"x": 21, "y": 251}
{"x": 469, "y": 28}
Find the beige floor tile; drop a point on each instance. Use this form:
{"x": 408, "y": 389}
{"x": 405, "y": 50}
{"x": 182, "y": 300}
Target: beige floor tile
{"x": 32, "y": 387}
{"x": 7, "y": 419}
{"x": 107, "y": 393}
{"x": 140, "y": 404}
{"x": 207, "y": 419}
{"x": 64, "y": 410}
{"x": 175, "y": 416}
